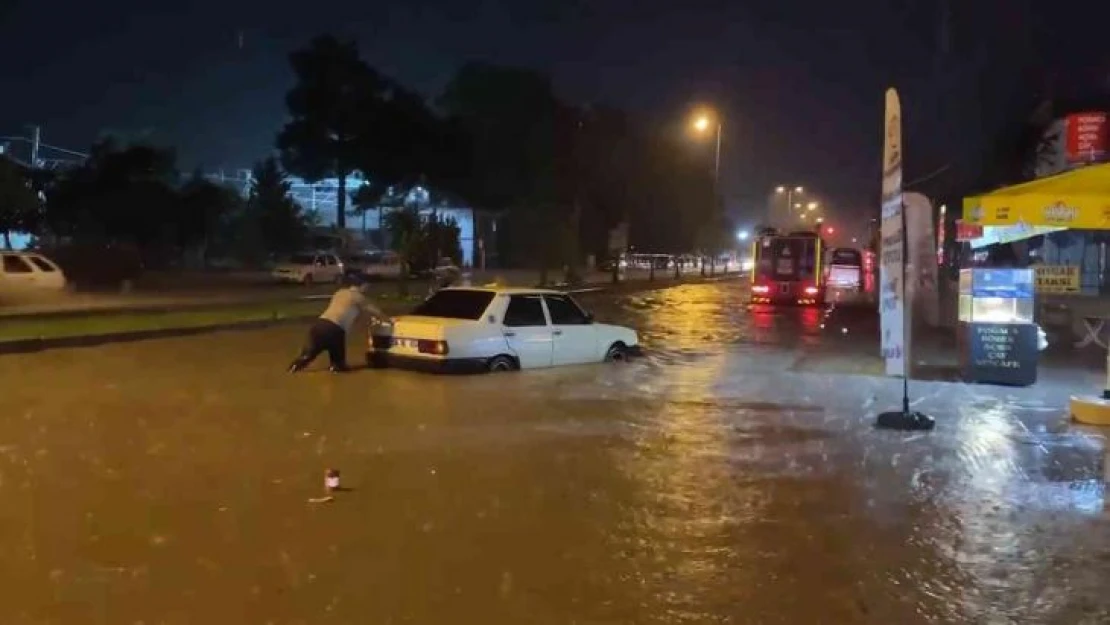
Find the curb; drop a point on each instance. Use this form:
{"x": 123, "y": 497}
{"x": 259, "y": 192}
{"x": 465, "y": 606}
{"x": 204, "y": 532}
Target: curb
{"x": 28, "y": 346}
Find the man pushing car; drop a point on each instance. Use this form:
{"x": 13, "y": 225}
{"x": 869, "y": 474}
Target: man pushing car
{"x": 329, "y": 332}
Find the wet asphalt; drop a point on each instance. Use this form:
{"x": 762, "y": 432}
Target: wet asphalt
{"x": 720, "y": 479}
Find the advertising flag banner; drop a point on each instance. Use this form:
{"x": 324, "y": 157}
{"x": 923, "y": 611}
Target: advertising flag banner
{"x": 892, "y": 288}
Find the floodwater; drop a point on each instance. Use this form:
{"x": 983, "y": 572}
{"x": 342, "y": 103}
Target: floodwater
{"x": 711, "y": 482}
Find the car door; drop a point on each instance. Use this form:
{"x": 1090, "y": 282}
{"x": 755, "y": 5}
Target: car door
{"x": 527, "y": 332}
{"x": 318, "y": 269}
{"x": 574, "y": 336}
{"x": 334, "y": 267}
{"x": 16, "y": 272}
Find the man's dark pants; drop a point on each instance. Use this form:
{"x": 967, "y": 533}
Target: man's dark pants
{"x": 323, "y": 336}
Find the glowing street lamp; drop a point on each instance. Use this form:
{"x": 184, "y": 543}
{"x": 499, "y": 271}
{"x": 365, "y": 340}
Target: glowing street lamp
{"x": 742, "y": 235}
{"x": 790, "y": 192}
{"x": 812, "y": 206}
{"x": 702, "y": 124}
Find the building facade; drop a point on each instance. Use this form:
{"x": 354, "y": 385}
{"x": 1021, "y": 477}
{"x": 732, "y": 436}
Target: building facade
{"x": 365, "y": 228}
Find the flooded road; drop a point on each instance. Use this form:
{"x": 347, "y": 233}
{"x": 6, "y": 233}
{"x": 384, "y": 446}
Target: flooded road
{"x": 710, "y": 482}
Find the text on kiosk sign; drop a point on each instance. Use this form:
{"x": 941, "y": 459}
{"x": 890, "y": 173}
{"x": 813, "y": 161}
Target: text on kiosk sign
{"x": 1057, "y": 279}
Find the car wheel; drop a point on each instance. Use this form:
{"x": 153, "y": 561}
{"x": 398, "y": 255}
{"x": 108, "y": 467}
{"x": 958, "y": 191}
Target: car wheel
{"x": 307, "y": 279}
{"x": 501, "y": 364}
{"x": 339, "y": 278}
{"x": 617, "y": 353}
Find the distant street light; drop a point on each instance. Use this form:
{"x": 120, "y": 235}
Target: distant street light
{"x": 790, "y": 192}
{"x": 742, "y": 235}
{"x": 812, "y": 206}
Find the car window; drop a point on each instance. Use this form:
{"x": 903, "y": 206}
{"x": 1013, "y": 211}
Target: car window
{"x": 330, "y": 260}
{"x": 42, "y": 264}
{"x": 846, "y": 257}
{"x": 564, "y": 312}
{"x": 301, "y": 259}
{"x": 455, "y": 304}
{"x": 15, "y": 264}
{"x": 525, "y": 311}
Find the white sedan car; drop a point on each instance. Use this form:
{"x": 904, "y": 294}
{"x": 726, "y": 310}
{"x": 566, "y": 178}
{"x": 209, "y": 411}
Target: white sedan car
{"x": 20, "y": 271}
{"x": 468, "y": 329}
{"x": 310, "y": 268}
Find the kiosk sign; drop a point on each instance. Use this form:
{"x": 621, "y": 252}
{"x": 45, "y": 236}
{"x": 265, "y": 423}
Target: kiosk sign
{"x": 1057, "y": 279}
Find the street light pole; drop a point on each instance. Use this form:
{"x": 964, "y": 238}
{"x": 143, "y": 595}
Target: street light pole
{"x": 717, "y": 158}
{"x": 789, "y": 193}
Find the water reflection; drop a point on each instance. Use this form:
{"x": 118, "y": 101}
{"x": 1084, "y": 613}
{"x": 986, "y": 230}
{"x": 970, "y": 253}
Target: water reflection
{"x": 711, "y": 482}
{"x": 971, "y": 524}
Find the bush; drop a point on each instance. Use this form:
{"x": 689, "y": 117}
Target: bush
{"x": 93, "y": 266}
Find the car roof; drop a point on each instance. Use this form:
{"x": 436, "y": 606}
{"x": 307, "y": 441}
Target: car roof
{"x": 506, "y": 290}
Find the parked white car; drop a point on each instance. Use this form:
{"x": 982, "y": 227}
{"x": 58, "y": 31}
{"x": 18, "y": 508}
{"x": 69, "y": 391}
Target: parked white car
{"x": 22, "y": 271}
{"x": 374, "y": 265}
{"x": 309, "y": 268}
{"x": 464, "y": 329}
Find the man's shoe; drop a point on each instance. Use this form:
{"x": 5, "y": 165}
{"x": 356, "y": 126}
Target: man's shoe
{"x": 336, "y": 369}
{"x": 295, "y": 368}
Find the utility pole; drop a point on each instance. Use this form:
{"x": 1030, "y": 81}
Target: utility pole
{"x": 36, "y": 140}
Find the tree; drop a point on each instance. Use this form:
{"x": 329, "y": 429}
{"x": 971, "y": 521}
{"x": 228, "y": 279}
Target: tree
{"x": 120, "y": 196}
{"x": 510, "y": 117}
{"x": 20, "y": 210}
{"x": 714, "y": 238}
{"x": 278, "y": 222}
{"x": 205, "y": 209}
{"x": 333, "y": 107}
{"x": 405, "y": 239}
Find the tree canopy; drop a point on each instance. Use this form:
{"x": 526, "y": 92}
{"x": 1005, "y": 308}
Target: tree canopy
{"x": 560, "y": 175}
{"x": 333, "y": 109}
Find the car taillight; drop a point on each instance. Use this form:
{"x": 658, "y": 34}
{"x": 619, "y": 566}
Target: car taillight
{"x": 811, "y": 290}
{"x": 761, "y": 288}
{"x": 439, "y": 348}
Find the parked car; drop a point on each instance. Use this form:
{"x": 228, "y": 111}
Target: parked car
{"x": 309, "y": 268}
{"x": 373, "y": 265}
{"x": 22, "y": 271}
{"x": 464, "y": 329}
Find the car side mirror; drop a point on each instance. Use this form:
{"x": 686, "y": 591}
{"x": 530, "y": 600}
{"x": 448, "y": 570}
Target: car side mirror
{"x": 589, "y": 317}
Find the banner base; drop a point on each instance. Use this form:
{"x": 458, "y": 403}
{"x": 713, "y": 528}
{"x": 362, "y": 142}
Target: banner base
{"x": 904, "y": 420}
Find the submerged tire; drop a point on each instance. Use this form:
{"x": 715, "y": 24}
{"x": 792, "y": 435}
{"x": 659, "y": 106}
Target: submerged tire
{"x": 617, "y": 353}
{"x": 501, "y": 364}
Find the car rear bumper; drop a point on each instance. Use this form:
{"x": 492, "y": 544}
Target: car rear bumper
{"x": 778, "y": 300}
{"x": 381, "y": 360}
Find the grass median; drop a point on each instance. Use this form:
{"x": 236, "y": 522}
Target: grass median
{"x": 95, "y": 325}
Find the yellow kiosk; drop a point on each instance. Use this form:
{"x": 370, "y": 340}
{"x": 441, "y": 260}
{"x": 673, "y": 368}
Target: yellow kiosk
{"x": 1078, "y": 200}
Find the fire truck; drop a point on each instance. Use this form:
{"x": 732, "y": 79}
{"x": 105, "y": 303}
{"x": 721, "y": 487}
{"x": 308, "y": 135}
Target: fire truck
{"x": 787, "y": 268}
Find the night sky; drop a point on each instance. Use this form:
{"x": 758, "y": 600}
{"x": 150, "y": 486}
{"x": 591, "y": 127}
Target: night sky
{"x": 799, "y": 81}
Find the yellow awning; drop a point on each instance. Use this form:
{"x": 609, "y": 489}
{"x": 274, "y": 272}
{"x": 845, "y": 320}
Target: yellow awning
{"x": 1077, "y": 199}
